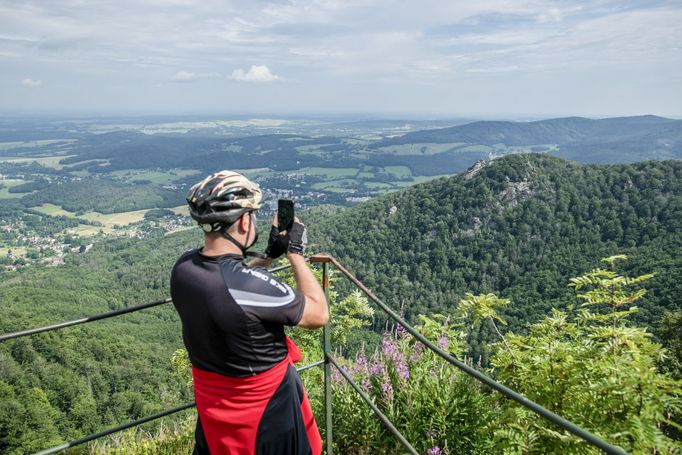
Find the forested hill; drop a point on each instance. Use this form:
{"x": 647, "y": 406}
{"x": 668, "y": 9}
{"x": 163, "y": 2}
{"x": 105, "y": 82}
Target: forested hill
{"x": 610, "y": 140}
{"x": 519, "y": 226}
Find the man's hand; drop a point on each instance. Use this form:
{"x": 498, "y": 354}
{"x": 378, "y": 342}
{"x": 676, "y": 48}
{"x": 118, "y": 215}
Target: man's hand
{"x": 278, "y": 243}
{"x": 298, "y": 238}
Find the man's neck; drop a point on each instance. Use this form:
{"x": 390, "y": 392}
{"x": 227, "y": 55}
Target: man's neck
{"x": 219, "y": 246}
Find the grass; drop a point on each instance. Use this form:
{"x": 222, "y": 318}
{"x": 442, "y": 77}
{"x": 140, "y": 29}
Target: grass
{"x": 157, "y": 177}
{"x": 310, "y": 149}
{"x": 339, "y": 186}
{"x": 31, "y": 144}
{"x": 379, "y": 185}
{"x": 54, "y": 210}
{"x": 4, "y": 192}
{"x": 112, "y": 219}
{"x": 47, "y": 161}
{"x": 16, "y": 251}
{"x": 398, "y": 171}
{"x": 476, "y": 148}
{"x": 85, "y": 230}
{"x": 181, "y": 210}
{"x": 329, "y": 172}
{"x": 420, "y": 148}
{"x": 255, "y": 172}
{"x": 109, "y": 220}
{"x": 92, "y": 162}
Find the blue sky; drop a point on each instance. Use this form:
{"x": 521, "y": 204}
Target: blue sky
{"x": 485, "y": 58}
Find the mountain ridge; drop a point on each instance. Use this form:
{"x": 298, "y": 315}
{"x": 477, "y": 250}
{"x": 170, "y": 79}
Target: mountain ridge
{"x": 560, "y": 131}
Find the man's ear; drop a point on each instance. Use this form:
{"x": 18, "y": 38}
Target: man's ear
{"x": 243, "y": 222}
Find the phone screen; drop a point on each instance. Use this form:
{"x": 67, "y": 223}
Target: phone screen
{"x": 285, "y": 214}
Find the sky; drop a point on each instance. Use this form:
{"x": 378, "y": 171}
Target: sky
{"x": 419, "y": 58}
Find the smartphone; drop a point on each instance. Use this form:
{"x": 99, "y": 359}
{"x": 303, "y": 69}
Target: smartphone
{"x": 285, "y": 214}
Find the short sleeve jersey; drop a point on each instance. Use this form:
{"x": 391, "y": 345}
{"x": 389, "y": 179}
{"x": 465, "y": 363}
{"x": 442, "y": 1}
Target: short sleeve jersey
{"x": 233, "y": 316}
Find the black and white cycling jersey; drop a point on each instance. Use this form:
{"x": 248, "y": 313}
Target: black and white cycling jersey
{"x": 233, "y": 316}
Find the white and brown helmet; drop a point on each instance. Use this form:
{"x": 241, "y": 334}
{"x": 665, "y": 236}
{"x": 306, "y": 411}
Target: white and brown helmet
{"x": 221, "y": 198}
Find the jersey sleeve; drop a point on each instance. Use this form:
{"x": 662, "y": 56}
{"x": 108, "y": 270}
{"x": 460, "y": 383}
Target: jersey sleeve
{"x": 264, "y": 296}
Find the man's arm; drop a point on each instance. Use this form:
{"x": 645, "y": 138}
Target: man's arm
{"x": 261, "y": 262}
{"x": 315, "y": 311}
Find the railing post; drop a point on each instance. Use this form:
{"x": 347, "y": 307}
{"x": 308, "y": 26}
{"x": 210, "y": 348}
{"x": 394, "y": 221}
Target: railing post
{"x": 326, "y": 344}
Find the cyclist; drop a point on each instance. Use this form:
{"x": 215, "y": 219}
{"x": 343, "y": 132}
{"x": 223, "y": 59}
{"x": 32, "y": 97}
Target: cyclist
{"x": 249, "y": 397}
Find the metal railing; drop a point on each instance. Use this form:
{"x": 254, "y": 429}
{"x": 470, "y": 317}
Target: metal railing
{"x": 330, "y": 361}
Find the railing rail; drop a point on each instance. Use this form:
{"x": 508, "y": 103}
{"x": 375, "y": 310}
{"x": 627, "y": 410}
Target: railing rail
{"x": 328, "y": 362}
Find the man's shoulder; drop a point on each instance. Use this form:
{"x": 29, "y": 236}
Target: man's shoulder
{"x": 184, "y": 257}
{"x": 238, "y": 275}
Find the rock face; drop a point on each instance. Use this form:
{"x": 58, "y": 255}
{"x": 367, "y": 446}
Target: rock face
{"x": 473, "y": 170}
{"x": 515, "y": 191}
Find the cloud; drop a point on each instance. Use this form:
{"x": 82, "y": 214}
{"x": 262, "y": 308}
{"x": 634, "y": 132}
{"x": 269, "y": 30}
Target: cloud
{"x": 31, "y": 83}
{"x": 186, "y": 76}
{"x": 257, "y": 73}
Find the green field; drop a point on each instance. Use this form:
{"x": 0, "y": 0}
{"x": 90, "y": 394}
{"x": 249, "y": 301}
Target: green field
{"x": 338, "y": 186}
{"x": 85, "y": 172}
{"x": 329, "y": 172}
{"x": 108, "y": 220}
{"x": 17, "y": 251}
{"x": 255, "y": 172}
{"x": 157, "y": 177}
{"x": 54, "y": 210}
{"x": 420, "y": 149}
{"x": 113, "y": 219}
{"x": 47, "y": 161}
{"x": 32, "y": 144}
{"x": 4, "y": 192}
{"x": 475, "y": 148}
{"x": 379, "y": 185}
{"x": 181, "y": 210}
{"x": 398, "y": 171}
{"x": 310, "y": 150}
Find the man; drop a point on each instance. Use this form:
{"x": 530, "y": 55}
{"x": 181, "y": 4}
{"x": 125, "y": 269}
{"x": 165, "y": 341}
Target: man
{"x": 249, "y": 397}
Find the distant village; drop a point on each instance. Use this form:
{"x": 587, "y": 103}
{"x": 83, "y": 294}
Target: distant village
{"x": 21, "y": 246}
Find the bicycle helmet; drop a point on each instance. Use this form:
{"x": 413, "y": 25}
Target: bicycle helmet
{"x": 221, "y": 198}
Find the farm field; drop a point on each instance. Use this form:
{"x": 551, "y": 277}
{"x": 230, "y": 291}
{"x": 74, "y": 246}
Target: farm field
{"x": 328, "y": 172}
{"x": 155, "y": 176}
{"x": 17, "y": 251}
{"x": 32, "y": 144}
{"x": 420, "y": 149}
{"x": 181, "y": 210}
{"x": 47, "y": 161}
{"x": 108, "y": 220}
{"x": 4, "y": 192}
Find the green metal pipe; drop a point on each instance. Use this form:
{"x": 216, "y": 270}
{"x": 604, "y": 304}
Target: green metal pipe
{"x": 326, "y": 347}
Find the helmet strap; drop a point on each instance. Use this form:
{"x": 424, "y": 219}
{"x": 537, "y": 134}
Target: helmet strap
{"x": 241, "y": 247}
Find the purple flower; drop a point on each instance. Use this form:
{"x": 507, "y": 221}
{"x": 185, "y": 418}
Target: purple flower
{"x": 402, "y": 370}
{"x": 435, "y": 450}
{"x": 443, "y": 343}
{"x": 387, "y": 390}
{"x": 376, "y": 369}
{"x": 365, "y": 384}
{"x": 360, "y": 360}
{"x": 400, "y": 331}
{"x": 336, "y": 376}
{"x": 417, "y": 350}
{"x": 388, "y": 347}
{"x": 391, "y": 350}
